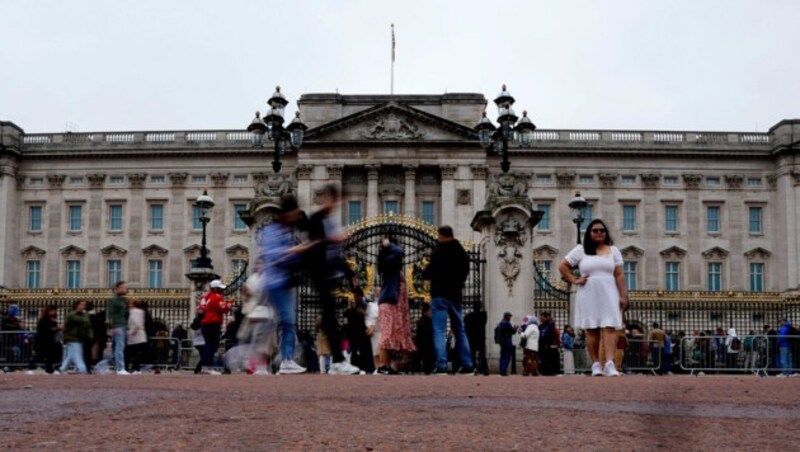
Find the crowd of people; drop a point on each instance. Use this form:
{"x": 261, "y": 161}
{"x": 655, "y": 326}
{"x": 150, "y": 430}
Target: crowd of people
{"x": 377, "y": 336}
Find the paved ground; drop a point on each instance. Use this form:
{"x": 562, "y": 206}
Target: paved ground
{"x": 316, "y": 412}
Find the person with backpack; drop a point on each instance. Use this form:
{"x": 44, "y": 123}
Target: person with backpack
{"x": 749, "y": 349}
{"x": 733, "y": 345}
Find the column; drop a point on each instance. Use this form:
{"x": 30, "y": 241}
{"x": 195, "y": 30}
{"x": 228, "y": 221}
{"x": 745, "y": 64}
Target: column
{"x": 694, "y": 232}
{"x": 479, "y": 174}
{"x": 335, "y": 177}
{"x": 372, "y": 190}
{"x": 221, "y": 223}
{"x": 139, "y": 213}
{"x": 303, "y": 174}
{"x": 94, "y": 232}
{"x": 10, "y": 222}
{"x": 652, "y": 209}
{"x": 179, "y": 222}
{"x": 448, "y": 195}
{"x": 410, "y": 196}
{"x": 55, "y": 225}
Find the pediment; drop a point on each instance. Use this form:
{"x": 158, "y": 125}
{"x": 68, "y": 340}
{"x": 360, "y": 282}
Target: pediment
{"x": 631, "y": 252}
{"x": 758, "y": 252}
{"x": 33, "y": 251}
{"x": 154, "y": 250}
{"x": 191, "y": 250}
{"x": 113, "y": 249}
{"x": 715, "y": 253}
{"x": 236, "y": 249}
{"x": 545, "y": 250}
{"x": 72, "y": 249}
{"x": 391, "y": 122}
{"x": 673, "y": 251}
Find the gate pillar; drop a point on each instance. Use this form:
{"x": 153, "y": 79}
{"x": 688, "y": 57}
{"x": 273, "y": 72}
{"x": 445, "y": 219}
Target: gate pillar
{"x": 506, "y": 224}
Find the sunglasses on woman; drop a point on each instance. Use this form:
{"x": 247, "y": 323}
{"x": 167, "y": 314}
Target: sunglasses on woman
{"x": 599, "y": 231}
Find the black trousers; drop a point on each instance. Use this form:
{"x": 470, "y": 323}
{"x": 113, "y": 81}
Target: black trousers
{"x": 330, "y": 325}
{"x": 136, "y": 353}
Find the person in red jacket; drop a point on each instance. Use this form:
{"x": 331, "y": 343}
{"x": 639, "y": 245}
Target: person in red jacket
{"x": 212, "y": 308}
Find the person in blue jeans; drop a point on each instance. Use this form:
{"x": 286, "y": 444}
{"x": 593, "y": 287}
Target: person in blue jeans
{"x": 447, "y": 272}
{"x": 118, "y": 322}
{"x": 503, "y": 334}
{"x": 784, "y": 347}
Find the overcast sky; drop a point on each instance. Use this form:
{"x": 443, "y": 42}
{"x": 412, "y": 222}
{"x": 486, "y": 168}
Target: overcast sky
{"x": 161, "y": 65}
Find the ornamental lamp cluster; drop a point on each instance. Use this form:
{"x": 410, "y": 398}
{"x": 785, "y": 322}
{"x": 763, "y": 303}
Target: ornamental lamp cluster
{"x": 285, "y": 139}
{"x": 511, "y": 130}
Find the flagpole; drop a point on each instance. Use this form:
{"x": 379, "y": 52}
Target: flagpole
{"x": 391, "y": 88}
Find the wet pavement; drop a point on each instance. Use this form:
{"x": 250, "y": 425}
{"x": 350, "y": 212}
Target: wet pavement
{"x": 315, "y": 412}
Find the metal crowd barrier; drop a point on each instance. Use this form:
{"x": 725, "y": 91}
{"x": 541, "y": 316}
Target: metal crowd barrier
{"x": 17, "y": 348}
{"x": 639, "y": 356}
{"x": 777, "y": 349}
{"x": 720, "y": 354}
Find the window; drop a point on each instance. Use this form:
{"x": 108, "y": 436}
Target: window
{"x": 238, "y": 223}
{"x": 714, "y": 276}
{"x": 115, "y": 217}
{"x": 75, "y": 220}
{"x": 391, "y": 208}
{"x": 428, "y": 212}
{"x": 197, "y": 212}
{"x": 73, "y": 274}
{"x": 753, "y": 181}
{"x": 114, "y": 268}
{"x": 585, "y": 179}
{"x": 238, "y": 266}
{"x": 117, "y": 180}
{"x": 544, "y": 223}
{"x": 755, "y": 220}
{"x": 36, "y": 181}
{"x": 628, "y": 180}
{"x": 543, "y": 179}
{"x": 155, "y": 273}
{"x": 35, "y": 223}
{"x": 713, "y": 181}
{"x": 671, "y": 218}
{"x": 157, "y": 217}
{"x": 630, "y": 271}
{"x": 76, "y": 180}
{"x": 547, "y": 269}
{"x": 629, "y": 217}
{"x": 353, "y": 212}
{"x": 757, "y": 277}
{"x": 198, "y": 179}
{"x": 157, "y": 179}
{"x": 670, "y": 180}
{"x": 240, "y": 178}
{"x": 712, "y": 219}
{"x": 34, "y": 274}
{"x": 672, "y": 280}
{"x": 588, "y": 215}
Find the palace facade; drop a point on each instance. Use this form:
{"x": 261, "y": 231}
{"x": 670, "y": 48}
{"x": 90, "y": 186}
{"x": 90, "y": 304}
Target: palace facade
{"x": 690, "y": 210}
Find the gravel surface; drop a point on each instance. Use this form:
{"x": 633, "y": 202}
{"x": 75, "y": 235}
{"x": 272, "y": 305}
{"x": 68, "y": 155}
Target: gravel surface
{"x": 316, "y": 412}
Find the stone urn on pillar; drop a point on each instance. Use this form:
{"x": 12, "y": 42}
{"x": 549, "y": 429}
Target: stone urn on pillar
{"x": 506, "y": 223}
{"x": 265, "y": 205}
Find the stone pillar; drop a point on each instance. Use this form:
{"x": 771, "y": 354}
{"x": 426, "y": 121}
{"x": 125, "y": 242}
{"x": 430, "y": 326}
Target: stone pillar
{"x": 335, "y": 172}
{"x": 448, "y": 195}
{"x": 372, "y": 190}
{"x": 652, "y": 209}
{"x": 178, "y": 221}
{"x": 410, "y": 195}
{"x": 506, "y": 223}
{"x": 96, "y": 225}
{"x": 737, "y": 222}
{"x": 9, "y": 221}
{"x": 139, "y": 213}
{"x": 479, "y": 173}
{"x": 694, "y": 233}
{"x": 55, "y": 225}
{"x": 303, "y": 175}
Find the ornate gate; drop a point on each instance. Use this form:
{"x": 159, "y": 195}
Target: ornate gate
{"x": 361, "y": 254}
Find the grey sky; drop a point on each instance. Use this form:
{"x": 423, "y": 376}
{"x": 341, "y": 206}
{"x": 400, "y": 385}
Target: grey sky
{"x": 160, "y": 65}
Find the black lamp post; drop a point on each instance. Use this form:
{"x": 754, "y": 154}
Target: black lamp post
{"x": 285, "y": 139}
{"x": 205, "y": 203}
{"x": 509, "y": 132}
{"x": 577, "y": 205}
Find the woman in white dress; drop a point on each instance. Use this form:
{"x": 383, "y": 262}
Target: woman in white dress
{"x": 601, "y": 295}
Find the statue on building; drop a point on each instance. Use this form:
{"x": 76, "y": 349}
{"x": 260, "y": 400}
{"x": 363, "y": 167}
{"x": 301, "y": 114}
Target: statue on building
{"x": 507, "y": 188}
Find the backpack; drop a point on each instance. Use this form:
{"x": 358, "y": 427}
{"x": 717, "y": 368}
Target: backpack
{"x": 736, "y": 344}
{"x": 748, "y": 343}
{"x": 497, "y": 334}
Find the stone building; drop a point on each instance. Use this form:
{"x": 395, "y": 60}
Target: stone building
{"x": 691, "y": 211}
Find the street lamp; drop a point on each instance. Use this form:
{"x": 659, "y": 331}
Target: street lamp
{"x": 205, "y": 203}
{"x": 577, "y": 205}
{"x": 285, "y": 139}
{"x": 510, "y": 131}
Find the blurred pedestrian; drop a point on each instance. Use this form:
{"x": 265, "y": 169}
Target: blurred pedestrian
{"x": 118, "y": 322}
{"x": 373, "y": 324}
{"x": 447, "y": 271}
{"x": 77, "y": 330}
{"x": 549, "y": 343}
{"x": 323, "y": 348}
{"x": 198, "y": 342}
{"x": 259, "y": 326}
{"x": 568, "y": 348}
{"x": 137, "y": 336}
{"x": 601, "y": 294}
{"x": 326, "y": 268}
{"x": 475, "y": 327}
{"x": 48, "y": 344}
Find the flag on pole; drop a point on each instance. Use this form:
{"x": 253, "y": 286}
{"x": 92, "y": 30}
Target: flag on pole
{"x": 393, "y": 43}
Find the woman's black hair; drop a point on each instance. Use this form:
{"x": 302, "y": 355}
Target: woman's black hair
{"x": 589, "y": 246}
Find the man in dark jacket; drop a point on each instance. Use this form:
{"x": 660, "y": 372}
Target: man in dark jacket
{"x": 503, "y": 334}
{"x": 549, "y": 343}
{"x": 475, "y": 325}
{"x": 447, "y": 271}
{"x": 118, "y": 323}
